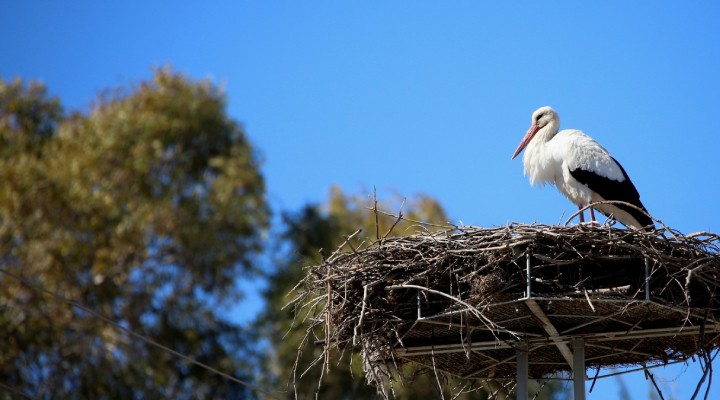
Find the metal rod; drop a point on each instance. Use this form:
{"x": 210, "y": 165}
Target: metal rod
{"x": 578, "y": 346}
{"x": 527, "y": 273}
{"x": 593, "y": 338}
{"x": 522, "y": 373}
{"x": 418, "y": 305}
{"x": 647, "y": 280}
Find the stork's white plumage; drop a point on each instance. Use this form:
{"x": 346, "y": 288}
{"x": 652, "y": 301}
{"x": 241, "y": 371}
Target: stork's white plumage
{"x": 580, "y": 168}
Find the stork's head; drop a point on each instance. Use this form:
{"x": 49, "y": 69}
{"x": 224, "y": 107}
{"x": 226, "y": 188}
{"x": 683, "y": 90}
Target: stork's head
{"x": 543, "y": 119}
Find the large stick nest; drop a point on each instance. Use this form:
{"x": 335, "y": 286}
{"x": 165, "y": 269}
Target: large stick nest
{"x": 466, "y": 287}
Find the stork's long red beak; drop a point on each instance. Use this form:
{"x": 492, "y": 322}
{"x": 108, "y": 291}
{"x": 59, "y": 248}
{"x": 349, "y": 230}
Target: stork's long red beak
{"x": 528, "y": 137}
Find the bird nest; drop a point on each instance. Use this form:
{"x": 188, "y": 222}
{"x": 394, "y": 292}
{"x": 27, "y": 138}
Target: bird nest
{"x": 464, "y": 301}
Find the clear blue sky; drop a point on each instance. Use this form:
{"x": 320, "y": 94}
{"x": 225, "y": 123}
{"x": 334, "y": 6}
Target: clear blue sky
{"x": 419, "y": 96}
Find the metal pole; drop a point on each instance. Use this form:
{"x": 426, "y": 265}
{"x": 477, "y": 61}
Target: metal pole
{"x": 527, "y": 274}
{"x": 647, "y": 280}
{"x": 521, "y": 392}
{"x": 578, "y": 346}
{"x": 418, "y": 305}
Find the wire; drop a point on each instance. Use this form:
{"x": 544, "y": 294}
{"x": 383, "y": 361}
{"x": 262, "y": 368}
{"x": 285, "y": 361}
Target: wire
{"x": 15, "y": 391}
{"x": 137, "y": 335}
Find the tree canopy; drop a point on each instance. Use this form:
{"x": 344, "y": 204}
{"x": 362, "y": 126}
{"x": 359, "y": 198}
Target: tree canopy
{"x": 145, "y": 209}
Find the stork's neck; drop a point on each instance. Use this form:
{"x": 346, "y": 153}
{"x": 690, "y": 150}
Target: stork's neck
{"x": 539, "y": 155}
{"x": 536, "y": 151}
{"x": 546, "y": 133}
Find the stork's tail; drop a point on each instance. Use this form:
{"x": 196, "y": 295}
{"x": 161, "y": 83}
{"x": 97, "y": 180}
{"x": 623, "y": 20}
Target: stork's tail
{"x": 640, "y": 214}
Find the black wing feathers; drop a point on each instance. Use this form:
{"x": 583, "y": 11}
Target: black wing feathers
{"x": 613, "y": 190}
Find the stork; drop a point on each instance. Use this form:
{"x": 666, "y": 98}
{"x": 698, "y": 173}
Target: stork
{"x": 581, "y": 169}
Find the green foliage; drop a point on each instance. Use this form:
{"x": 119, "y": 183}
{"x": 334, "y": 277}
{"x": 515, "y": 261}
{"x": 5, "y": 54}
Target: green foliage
{"x": 27, "y": 116}
{"x": 146, "y": 209}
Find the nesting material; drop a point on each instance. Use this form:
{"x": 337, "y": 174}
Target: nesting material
{"x": 462, "y": 302}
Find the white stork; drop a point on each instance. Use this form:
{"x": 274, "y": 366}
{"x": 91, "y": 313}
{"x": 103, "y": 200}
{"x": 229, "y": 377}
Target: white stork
{"x": 580, "y": 168}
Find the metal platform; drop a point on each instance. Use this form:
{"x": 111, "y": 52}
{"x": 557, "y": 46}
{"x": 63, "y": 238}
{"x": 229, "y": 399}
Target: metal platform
{"x": 534, "y": 335}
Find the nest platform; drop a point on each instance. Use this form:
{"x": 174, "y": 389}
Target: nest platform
{"x": 468, "y": 301}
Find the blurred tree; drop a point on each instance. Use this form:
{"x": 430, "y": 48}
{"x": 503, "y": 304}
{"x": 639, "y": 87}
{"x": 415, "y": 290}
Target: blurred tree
{"x": 27, "y": 116}
{"x": 145, "y": 210}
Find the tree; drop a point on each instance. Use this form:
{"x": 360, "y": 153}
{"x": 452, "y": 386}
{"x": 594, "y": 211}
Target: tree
{"x": 145, "y": 210}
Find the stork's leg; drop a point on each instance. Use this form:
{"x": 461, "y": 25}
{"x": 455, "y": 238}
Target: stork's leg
{"x": 582, "y": 215}
{"x": 592, "y": 214}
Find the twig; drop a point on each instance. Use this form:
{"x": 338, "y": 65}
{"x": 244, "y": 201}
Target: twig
{"x": 423, "y": 223}
{"x": 588, "y": 300}
{"x": 375, "y": 211}
{"x": 328, "y": 319}
{"x": 652, "y": 379}
{"x": 362, "y": 314}
{"x": 397, "y": 220}
{"x": 470, "y": 307}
